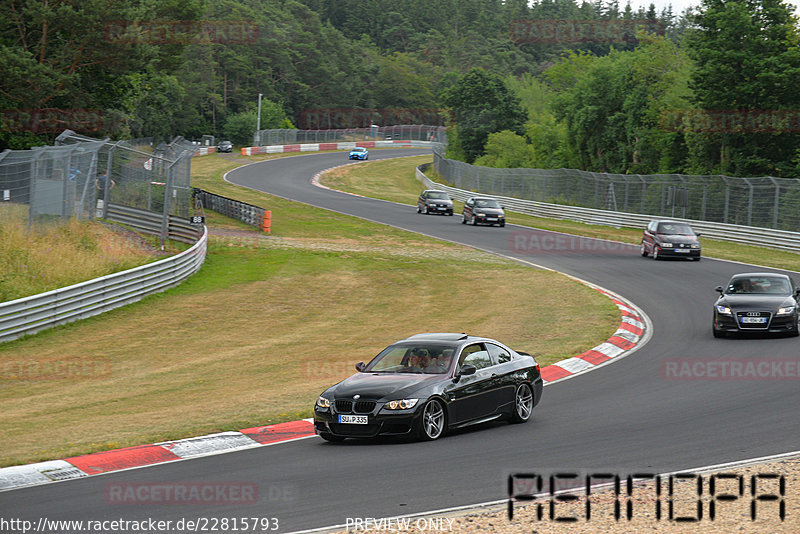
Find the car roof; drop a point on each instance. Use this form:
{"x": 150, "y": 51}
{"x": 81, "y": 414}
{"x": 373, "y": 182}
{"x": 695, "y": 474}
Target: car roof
{"x": 483, "y": 198}
{"x": 742, "y": 275}
{"x": 445, "y": 336}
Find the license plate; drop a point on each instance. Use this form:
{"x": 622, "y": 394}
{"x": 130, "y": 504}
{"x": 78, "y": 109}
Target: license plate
{"x": 754, "y": 320}
{"x": 491, "y": 218}
{"x": 441, "y": 208}
{"x": 354, "y": 419}
{"x": 684, "y": 250}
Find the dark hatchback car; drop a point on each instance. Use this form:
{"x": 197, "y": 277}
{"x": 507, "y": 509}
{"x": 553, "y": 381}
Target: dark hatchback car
{"x": 758, "y": 303}
{"x": 434, "y": 201}
{"x": 484, "y": 211}
{"x": 673, "y": 239}
{"x": 225, "y": 146}
{"x": 424, "y": 385}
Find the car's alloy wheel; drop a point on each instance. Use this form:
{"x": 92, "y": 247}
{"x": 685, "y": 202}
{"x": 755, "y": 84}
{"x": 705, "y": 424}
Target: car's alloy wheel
{"x": 655, "y": 253}
{"x": 474, "y": 221}
{"x": 419, "y": 210}
{"x": 502, "y": 225}
{"x": 463, "y": 219}
{"x": 523, "y": 404}
{"x": 643, "y": 250}
{"x": 431, "y": 424}
{"x": 425, "y": 210}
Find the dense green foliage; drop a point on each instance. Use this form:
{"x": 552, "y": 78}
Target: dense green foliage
{"x": 480, "y": 104}
{"x": 518, "y": 86}
{"x": 305, "y": 54}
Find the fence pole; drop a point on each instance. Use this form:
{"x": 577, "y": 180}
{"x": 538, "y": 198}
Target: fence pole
{"x": 165, "y": 216}
{"x": 776, "y": 204}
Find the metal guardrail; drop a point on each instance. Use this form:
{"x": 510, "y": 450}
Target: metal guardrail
{"x": 241, "y": 211}
{"x": 150, "y": 222}
{"x": 32, "y": 314}
{"x": 749, "y": 235}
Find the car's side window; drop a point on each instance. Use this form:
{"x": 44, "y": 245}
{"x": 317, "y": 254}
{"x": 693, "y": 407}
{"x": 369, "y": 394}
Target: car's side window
{"x": 498, "y": 354}
{"x": 476, "y": 355}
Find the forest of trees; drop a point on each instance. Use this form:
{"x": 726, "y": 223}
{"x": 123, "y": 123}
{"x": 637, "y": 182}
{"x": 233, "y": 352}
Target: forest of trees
{"x": 132, "y": 69}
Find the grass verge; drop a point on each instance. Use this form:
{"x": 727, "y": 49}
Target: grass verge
{"x": 48, "y": 256}
{"x": 266, "y": 325}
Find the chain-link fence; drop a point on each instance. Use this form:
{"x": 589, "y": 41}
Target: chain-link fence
{"x": 157, "y": 181}
{"x": 412, "y": 132}
{"x": 80, "y": 177}
{"x": 764, "y": 201}
{"x": 54, "y": 182}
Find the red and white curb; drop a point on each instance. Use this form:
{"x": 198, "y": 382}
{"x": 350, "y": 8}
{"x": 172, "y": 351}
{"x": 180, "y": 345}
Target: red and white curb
{"x": 315, "y": 147}
{"x": 628, "y": 336}
{"x": 144, "y": 455}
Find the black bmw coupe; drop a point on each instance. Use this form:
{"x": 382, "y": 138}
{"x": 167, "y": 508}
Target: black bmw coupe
{"x": 757, "y": 302}
{"x": 429, "y": 383}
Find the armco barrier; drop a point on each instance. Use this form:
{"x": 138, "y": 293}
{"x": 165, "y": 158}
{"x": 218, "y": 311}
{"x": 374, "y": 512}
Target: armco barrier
{"x": 314, "y": 147}
{"x": 32, "y": 314}
{"x": 749, "y": 235}
{"x": 241, "y": 211}
{"x": 150, "y": 222}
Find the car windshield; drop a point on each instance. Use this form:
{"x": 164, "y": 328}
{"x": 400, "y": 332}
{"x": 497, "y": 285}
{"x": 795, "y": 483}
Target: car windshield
{"x": 359, "y": 149}
{"x": 418, "y": 358}
{"x": 759, "y": 284}
{"x": 438, "y": 195}
{"x": 483, "y": 203}
{"x": 675, "y": 229}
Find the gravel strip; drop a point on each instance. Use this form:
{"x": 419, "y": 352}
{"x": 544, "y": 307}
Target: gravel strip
{"x": 730, "y": 516}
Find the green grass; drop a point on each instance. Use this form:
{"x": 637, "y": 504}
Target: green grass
{"x": 49, "y": 256}
{"x": 266, "y": 325}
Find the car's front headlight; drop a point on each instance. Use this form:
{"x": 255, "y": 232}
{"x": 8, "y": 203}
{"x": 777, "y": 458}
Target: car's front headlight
{"x": 480, "y": 214}
{"x": 695, "y": 246}
{"x": 724, "y": 310}
{"x": 403, "y": 404}
{"x": 785, "y": 310}
{"x": 322, "y": 402}
{"x": 666, "y": 245}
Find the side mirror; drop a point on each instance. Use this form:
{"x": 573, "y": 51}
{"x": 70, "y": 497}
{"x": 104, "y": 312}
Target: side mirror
{"x": 467, "y": 369}
{"x": 797, "y": 291}
{"x": 718, "y": 289}
{"x": 698, "y": 234}
{"x": 360, "y": 367}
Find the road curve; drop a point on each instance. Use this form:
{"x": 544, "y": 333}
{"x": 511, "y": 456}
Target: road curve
{"x": 624, "y": 418}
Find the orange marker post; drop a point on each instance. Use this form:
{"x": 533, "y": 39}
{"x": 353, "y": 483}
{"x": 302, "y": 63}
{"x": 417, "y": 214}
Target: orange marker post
{"x": 266, "y": 224}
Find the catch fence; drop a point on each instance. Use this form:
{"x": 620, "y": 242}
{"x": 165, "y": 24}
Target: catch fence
{"x": 766, "y": 201}
{"x": 412, "y": 132}
{"x": 81, "y": 177}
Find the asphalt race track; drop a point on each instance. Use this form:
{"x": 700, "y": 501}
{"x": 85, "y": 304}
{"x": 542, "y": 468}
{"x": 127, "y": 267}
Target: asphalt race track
{"x": 622, "y": 418}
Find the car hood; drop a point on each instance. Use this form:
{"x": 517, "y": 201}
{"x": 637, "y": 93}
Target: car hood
{"x": 439, "y": 201}
{"x": 756, "y": 302}
{"x": 677, "y": 238}
{"x": 376, "y": 386}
